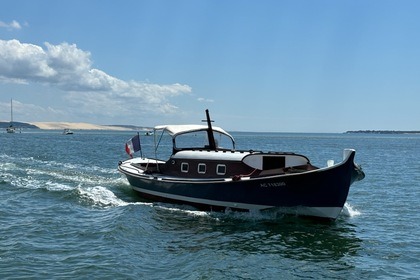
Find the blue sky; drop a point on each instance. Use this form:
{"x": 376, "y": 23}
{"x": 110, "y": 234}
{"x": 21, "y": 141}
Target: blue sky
{"x": 286, "y": 66}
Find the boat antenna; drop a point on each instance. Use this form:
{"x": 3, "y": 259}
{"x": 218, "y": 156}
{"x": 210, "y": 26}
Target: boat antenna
{"x": 11, "y": 112}
{"x": 210, "y": 135}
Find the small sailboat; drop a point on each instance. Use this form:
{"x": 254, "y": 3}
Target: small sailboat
{"x": 11, "y": 128}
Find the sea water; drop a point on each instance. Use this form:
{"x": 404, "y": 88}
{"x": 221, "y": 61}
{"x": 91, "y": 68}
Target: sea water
{"x": 65, "y": 212}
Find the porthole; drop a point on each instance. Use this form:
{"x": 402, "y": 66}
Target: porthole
{"x": 201, "y": 168}
{"x": 184, "y": 167}
{"x": 221, "y": 169}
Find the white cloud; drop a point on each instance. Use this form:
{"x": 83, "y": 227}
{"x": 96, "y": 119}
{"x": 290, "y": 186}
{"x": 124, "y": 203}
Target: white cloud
{"x": 201, "y": 99}
{"x": 23, "y": 62}
{"x": 69, "y": 69}
{"x": 12, "y": 25}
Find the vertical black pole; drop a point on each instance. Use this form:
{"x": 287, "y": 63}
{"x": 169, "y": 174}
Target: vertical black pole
{"x": 141, "y": 151}
{"x": 210, "y": 135}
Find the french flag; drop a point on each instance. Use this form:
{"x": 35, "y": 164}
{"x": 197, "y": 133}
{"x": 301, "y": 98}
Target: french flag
{"x": 133, "y": 145}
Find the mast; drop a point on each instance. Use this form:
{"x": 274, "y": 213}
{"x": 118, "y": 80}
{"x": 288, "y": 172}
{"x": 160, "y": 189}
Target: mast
{"x": 11, "y": 129}
{"x": 210, "y": 135}
{"x": 11, "y": 112}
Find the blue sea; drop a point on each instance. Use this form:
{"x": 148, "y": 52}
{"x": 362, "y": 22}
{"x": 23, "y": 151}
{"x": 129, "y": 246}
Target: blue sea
{"x": 66, "y": 213}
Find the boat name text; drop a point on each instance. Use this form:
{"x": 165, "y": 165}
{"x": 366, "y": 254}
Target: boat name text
{"x": 274, "y": 184}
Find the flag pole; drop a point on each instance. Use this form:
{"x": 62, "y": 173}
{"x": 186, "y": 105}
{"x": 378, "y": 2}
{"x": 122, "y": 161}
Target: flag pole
{"x": 141, "y": 150}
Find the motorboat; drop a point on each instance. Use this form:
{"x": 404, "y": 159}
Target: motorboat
{"x": 10, "y": 129}
{"x": 67, "y": 131}
{"x": 205, "y": 170}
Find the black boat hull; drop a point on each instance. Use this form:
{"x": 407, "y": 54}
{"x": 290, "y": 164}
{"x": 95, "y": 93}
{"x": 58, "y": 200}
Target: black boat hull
{"x": 320, "y": 193}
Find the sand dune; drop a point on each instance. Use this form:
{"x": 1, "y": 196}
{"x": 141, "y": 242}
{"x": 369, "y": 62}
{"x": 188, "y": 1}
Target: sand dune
{"x": 74, "y": 126}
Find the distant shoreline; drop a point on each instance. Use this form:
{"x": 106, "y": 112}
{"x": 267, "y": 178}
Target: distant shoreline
{"x": 89, "y": 126}
{"x": 384, "y": 131}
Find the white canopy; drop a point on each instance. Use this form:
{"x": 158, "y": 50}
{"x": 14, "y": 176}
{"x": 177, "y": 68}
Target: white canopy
{"x": 175, "y": 130}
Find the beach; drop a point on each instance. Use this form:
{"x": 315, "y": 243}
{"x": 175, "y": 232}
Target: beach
{"x": 77, "y": 126}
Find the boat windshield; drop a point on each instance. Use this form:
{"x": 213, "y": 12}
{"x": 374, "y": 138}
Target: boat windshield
{"x": 199, "y": 140}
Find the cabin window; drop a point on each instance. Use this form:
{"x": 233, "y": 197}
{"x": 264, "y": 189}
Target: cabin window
{"x": 272, "y": 162}
{"x": 184, "y": 167}
{"x": 199, "y": 140}
{"x": 201, "y": 168}
{"x": 196, "y": 140}
{"x": 221, "y": 169}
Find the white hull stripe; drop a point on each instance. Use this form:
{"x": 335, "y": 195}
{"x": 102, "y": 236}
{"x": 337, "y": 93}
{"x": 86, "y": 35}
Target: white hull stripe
{"x": 204, "y": 201}
{"x": 325, "y": 212}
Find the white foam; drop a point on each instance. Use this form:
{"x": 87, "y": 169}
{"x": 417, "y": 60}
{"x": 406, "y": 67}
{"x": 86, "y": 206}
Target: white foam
{"x": 100, "y": 196}
{"x": 54, "y": 186}
{"x": 75, "y": 176}
{"x": 349, "y": 211}
{"x": 103, "y": 197}
{"x": 180, "y": 208}
{"x": 7, "y": 166}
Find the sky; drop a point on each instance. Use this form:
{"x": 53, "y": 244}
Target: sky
{"x": 263, "y": 66}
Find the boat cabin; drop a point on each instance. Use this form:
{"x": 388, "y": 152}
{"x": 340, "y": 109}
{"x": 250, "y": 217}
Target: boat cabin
{"x": 202, "y": 152}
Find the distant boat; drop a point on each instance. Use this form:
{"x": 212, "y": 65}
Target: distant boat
{"x": 67, "y": 131}
{"x": 201, "y": 173}
{"x": 149, "y": 133}
{"x": 11, "y": 128}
